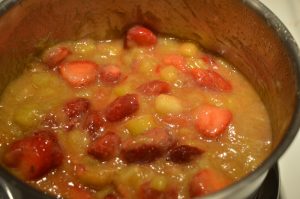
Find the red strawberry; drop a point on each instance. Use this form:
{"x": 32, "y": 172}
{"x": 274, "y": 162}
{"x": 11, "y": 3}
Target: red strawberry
{"x": 75, "y": 110}
{"x": 208, "y": 59}
{"x": 154, "y": 87}
{"x": 158, "y": 136}
{"x": 49, "y": 121}
{"x": 140, "y": 36}
{"x": 207, "y": 181}
{"x": 175, "y": 60}
{"x": 212, "y": 121}
{"x": 179, "y": 120}
{"x": 122, "y": 107}
{"x": 110, "y": 74}
{"x": 54, "y": 57}
{"x": 112, "y": 196}
{"x": 211, "y": 80}
{"x": 144, "y": 153}
{"x": 79, "y": 193}
{"x": 35, "y": 155}
{"x": 105, "y": 147}
{"x": 93, "y": 123}
{"x": 183, "y": 154}
{"x": 76, "y": 107}
{"x": 146, "y": 148}
{"x": 79, "y": 73}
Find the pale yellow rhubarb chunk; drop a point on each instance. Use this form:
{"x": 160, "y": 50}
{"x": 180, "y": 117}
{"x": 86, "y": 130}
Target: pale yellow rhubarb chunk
{"x": 188, "y": 49}
{"x": 123, "y": 89}
{"x": 148, "y": 66}
{"x": 169, "y": 74}
{"x": 140, "y": 124}
{"x": 166, "y": 104}
{"x": 159, "y": 183}
{"x": 27, "y": 116}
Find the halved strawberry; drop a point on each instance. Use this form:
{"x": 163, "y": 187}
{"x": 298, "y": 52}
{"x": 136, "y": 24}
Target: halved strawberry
{"x": 110, "y": 74}
{"x": 143, "y": 153}
{"x": 140, "y": 36}
{"x": 93, "y": 123}
{"x": 209, "y": 59}
{"x": 54, "y": 56}
{"x": 211, "y": 80}
{"x": 105, "y": 147}
{"x": 207, "y": 181}
{"x": 35, "y": 155}
{"x": 212, "y": 121}
{"x": 79, "y": 193}
{"x": 49, "y": 121}
{"x": 179, "y": 120}
{"x": 147, "y": 147}
{"x": 122, "y": 107}
{"x": 112, "y": 196}
{"x": 154, "y": 87}
{"x": 75, "y": 109}
{"x": 79, "y": 73}
{"x": 183, "y": 154}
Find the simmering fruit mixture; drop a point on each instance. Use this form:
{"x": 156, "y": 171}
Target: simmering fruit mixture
{"x": 143, "y": 117}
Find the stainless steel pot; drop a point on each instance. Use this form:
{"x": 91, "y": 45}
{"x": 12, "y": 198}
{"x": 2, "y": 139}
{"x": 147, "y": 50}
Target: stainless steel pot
{"x": 244, "y": 32}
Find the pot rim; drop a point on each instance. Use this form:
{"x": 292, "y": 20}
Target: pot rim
{"x": 289, "y": 42}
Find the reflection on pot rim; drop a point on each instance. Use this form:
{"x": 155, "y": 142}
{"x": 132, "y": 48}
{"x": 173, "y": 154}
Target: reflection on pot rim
{"x": 292, "y": 129}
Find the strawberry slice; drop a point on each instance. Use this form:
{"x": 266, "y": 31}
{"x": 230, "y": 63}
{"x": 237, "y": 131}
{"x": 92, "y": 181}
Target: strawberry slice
{"x": 183, "y": 154}
{"x": 207, "y": 181}
{"x": 140, "y": 36}
{"x": 105, "y": 147}
{"x": 75, "y": 110}
{"x": 49, "y": 121}
{"x": 212, "y": 121}
{"x": 144, "y": 153}
{"x": 211, "y": 80}
{"x": 146, "y": 148}
{"x": 93, "y": 123}
{"x": 79, "y": 73}
{"x": 178, "y": 120}
{"x": 110, "y": 74}
{"x": 79, "y": 193}
{"x": 54, "y": 56}
{"x": 122, "y": 107}
{"x": 208, "y": 59}
{"x": 112, "y": 196}
{"x": 34, "y": 156}
{"x": 154, "y": 87}
{"x": 76, "y": 107}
